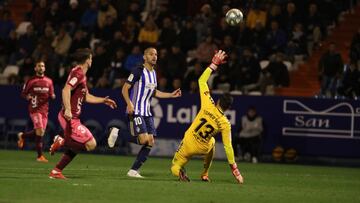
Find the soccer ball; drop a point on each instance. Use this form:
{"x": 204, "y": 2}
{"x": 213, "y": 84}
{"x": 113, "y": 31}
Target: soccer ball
{"x": 234, "y": 16}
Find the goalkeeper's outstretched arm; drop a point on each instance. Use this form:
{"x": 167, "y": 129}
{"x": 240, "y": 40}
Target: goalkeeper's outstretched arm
{"x": 218, "y": 58}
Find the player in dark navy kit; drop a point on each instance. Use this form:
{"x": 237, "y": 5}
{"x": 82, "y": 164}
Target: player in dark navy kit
{"x": 38, "y": 91}
{"x": 142, "y": 82}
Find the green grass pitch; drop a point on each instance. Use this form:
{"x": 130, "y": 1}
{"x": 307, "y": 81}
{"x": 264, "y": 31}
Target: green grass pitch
{"x": 101, "y": 178}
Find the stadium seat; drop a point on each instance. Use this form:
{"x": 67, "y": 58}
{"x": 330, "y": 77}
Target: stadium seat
{"x": 263, "y": 64}
{"x": 9, "y": 70}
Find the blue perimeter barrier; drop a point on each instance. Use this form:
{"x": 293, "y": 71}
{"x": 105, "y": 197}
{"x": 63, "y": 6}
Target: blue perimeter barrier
{"x": 314, "y": 127}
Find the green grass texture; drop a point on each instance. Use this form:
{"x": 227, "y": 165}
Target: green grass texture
{"x": 102, "y": 178}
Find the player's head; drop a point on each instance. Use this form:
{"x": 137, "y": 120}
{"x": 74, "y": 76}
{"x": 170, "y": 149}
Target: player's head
{"x": 150, "y": 56}
{"x": 40, "y": 68}
{"x": 225, "y": 101}
{"x": 83, "y": 57}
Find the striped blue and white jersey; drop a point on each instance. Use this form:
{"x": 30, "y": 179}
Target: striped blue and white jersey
{"x": 144, "y": 85}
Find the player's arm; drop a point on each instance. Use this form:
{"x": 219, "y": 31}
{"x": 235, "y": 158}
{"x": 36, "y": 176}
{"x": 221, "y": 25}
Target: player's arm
{"x": 218, "y": 58}
{"x": 66, "y": 95}
{"x": 25, "y": 91}
{"x": 133, "y": 77}
{"x": 226, "y": 138}
{"x": 174, "y": 94}
{"x": 89, "y": 98}
{"x": 125, "y": 93}
{"x": 51, "y": 92}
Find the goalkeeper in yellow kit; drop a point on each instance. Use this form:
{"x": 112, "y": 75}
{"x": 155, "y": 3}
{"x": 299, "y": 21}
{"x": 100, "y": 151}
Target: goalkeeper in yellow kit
{"x": 199, "y": 138}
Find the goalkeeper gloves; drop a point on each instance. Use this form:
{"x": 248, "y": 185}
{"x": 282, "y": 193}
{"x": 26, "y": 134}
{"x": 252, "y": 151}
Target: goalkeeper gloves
{"x": 235, "y": 171}
{"x": 218, "y": 58}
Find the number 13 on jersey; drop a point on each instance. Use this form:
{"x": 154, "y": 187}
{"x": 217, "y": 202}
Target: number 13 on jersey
{"x": 204, "y": 129}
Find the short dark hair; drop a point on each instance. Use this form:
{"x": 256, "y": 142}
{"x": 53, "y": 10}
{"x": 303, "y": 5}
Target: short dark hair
{"x": 81, "y": 55}
{"x": 226, "y": 101}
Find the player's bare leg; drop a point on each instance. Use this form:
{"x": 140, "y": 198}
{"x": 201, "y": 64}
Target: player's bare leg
{"x": 207, "y": 164}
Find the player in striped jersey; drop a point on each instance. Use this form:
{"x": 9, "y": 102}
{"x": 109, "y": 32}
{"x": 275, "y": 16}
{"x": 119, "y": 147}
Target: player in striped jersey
{"x": 142, "y": 82}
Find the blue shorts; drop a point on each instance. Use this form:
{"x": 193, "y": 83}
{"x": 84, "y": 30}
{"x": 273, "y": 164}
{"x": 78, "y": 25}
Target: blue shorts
{"x": 141, "y": 124}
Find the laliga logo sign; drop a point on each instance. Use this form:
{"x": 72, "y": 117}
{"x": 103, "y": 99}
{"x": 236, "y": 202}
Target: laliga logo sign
{"x": 157, "y": 110}
{"x": 184, "y": 115}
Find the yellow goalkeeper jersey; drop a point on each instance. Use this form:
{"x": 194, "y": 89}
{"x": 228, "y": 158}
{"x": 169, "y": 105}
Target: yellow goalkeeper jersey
{"x": 209, "y": 122}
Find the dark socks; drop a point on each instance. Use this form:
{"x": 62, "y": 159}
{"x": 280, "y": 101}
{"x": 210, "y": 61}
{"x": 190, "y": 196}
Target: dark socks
{"x": 39, "y": 145}
{"x": 141, "y": 157}
{"x": 67, "y": 157}
{"x": 28, "y": 134}
{"x": 75, "y": 146}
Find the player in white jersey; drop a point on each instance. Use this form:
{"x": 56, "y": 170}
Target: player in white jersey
{"x": 142, "y": 83}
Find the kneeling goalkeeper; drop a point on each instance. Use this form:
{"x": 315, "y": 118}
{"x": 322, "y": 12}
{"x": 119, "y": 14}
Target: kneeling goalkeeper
{"x": 199, "y": 138}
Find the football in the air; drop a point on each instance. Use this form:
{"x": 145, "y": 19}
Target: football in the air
{"x": 234, "y": 16}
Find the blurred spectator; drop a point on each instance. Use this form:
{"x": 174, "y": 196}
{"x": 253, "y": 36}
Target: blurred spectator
{"x": 149, "y": 34}
{"x": 176, "y": 63}
{"x": 134, "y": 59}
{"x": 118, "y": 73}
{"x": 355, "y": 47}
{"x": 163, "y": 85}
{"x": 62, "y": 43}
{"x": 26, "y": 70}
{"x": 54, "y": 15}
{"x": 79, "y": 41}
{"x": 255, "y": 15}
{"x": 100, "y": 62}
{"x": 187, "y": 37}
{"x": 73, "y": 15}
{"x": 203, "y": 22}
{"x": 205, "y": 50}
{"x": 105, "y": 10}
{"x": 192, "y": 75}
{"x": 297, "y": 42}
{"x": 7, "y": 47}
{"x": 250, "y": 136}
{"x": 278, "y": 70}
{"x": 247, "y": 71}
{"x": 274, "y": 15}
{"x": 290, "y": 17}
{"x": 28, "y": 41}
{"x": 38, "y": 14}
{"x": 47, "y": 38}
{"x": 228, "y": 44}
{"x": 89, "y": 17}
{"x": 314, "y": 25}
{"x": 350, "y": 85}
{"x": 168, "y": 33}
{"x": 275, "y": 38}
{"x": 330, "y": 69}
{"x": 130, "y": 31}
{"x": 176, "y": 83}
{"x": 134, "y": 11}
{"x": 257, "y": 40}
{"x": 106, "y": 33}
{"x": 6, "y": 25}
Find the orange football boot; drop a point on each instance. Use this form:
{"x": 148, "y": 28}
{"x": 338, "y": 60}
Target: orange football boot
{"x": 20, "y": 141}
{"x": 42, "y": 159}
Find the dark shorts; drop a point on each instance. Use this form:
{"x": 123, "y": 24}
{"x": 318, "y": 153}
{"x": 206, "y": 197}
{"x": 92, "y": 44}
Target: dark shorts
{"x": 141, "y": 124}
